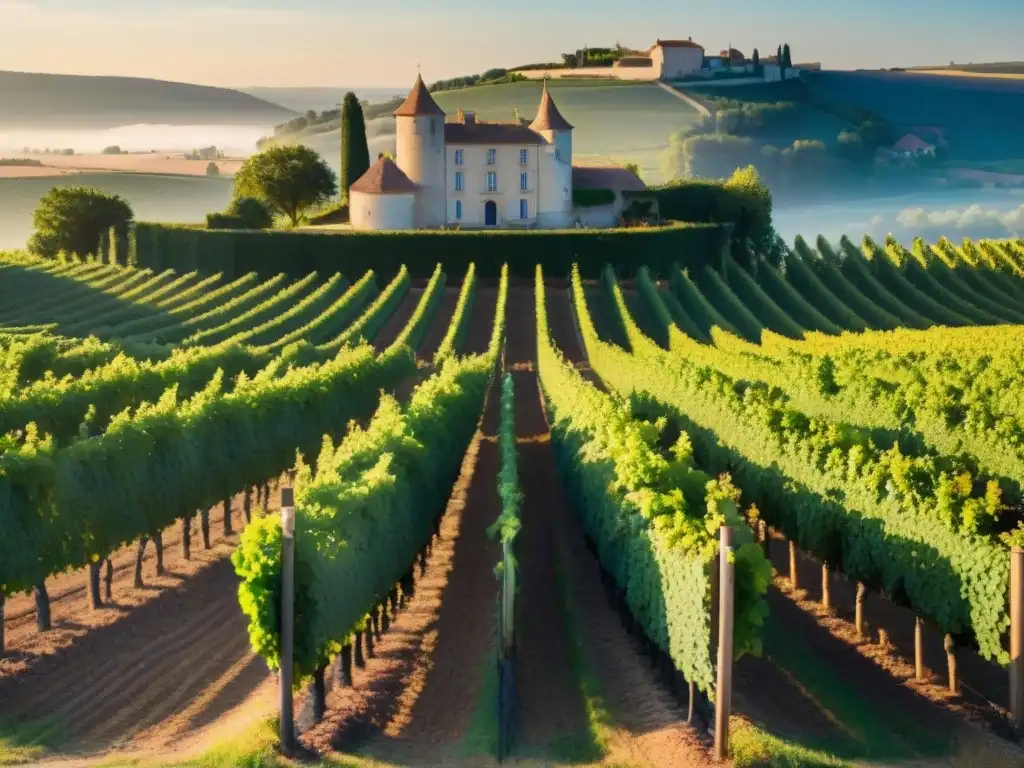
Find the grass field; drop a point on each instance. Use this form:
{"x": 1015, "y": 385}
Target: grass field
{"x": 626, "y": 122}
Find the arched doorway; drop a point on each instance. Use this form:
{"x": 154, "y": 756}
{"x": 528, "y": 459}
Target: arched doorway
{"x": 490, "y": 213}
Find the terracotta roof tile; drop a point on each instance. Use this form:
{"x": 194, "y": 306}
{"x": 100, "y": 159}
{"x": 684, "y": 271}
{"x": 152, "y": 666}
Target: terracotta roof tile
{"x": 548, "y": 117}
{"x": 419, "y": 102}
{"x": 484, "y": 132}
{"x": 384, "y": 178}
{"x": 678, "y": 44}
{"x": 606, "y": 177}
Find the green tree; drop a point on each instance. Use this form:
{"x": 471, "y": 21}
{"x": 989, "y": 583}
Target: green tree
{"x": 74, "y": 219}
{"x": 289, "y": 180}
{"x": 355, "y": 153}
{"x": 756, "y": 61}
{"x": 787, "y": 61}
{"x": 778, "y": 56}
{"x": 212, "y": 169}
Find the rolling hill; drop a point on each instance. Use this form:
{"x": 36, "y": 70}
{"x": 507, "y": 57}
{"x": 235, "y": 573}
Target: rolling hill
{"x": 47, "y": 101}
{"x": 316, "y": 97}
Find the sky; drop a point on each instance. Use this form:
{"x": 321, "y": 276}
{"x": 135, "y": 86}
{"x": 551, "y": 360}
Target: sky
{"x": 379, "y": 44}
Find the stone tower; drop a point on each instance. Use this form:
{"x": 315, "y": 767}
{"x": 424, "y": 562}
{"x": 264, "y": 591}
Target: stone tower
{"x": 420, "y": 150}
{"x": 555, "y": 204}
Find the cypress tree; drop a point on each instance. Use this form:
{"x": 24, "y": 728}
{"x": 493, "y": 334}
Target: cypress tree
{"x": 787, "y": 62}
{"x": 755, "y": 60}
{"x": 355, "y": 153}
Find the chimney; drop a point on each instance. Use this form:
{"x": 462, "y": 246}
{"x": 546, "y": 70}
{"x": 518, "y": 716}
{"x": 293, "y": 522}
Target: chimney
{"x": 469, "y": 118}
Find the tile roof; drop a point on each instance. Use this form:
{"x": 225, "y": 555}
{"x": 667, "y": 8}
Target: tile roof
{"x": 677, "y": 44}
{"x": 606, "y": 177}
{"x": 548, "y": 117}
{"x": 384, "y": 178}
{"x": 419, "y": 102}
{"x": 487, "y": 132}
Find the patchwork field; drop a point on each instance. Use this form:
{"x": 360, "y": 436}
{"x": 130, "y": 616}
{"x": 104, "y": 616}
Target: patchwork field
{"x": 853, "y": 416}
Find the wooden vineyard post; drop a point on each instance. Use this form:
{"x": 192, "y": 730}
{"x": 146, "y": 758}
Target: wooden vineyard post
{"x": 287, "y": 618}
{"x": 765, "y": 539}
{"x": 1017, "y": 637}
{"x": 858, "y": 614}
{"x": 726, "y": 581}
{"x": 950, "y": 646}
{"x": 918, "y": 648}
{"x": 826, "y": 588}
{"x": 794, "y": 573}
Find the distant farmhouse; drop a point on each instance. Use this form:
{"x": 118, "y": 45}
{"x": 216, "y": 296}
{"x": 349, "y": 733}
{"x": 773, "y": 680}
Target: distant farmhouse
{"x": 670, "y": 60}
{"x": 476, "y": 173}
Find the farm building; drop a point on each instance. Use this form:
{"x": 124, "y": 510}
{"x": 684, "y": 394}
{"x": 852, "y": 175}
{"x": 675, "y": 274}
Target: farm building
{"x": 469, "y": 172}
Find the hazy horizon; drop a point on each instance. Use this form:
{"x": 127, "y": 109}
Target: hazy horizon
{"x": 227, "y": 44}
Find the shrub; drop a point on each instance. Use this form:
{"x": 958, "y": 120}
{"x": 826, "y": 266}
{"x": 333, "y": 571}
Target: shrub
{"x": 743, "y": 201}
{"x": 212, "y": 169}
{"x": 243, "y": 213}
{"x": 589, "y": 198}
{"x": 252, "y": 212}
{"x": 75, "y": 220}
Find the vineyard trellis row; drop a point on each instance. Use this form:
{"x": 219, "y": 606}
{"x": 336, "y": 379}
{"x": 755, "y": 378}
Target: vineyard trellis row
{"x": 863, "y": 400}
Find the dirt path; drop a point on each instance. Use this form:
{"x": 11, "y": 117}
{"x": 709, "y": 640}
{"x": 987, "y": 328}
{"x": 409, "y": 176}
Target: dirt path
{"x": 648, "y": 724}
{"x": 551, "y": 709}
{"x": 481, "y": 325}
{"x": 439, "y": 324}
{"x": 416, "y": 700}
{"x": 398, "y": 320}
{"x": 157, "y": 664}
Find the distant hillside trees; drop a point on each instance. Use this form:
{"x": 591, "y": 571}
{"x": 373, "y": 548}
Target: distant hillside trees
{"x": 74, "y": 219}
{"x": 355, "y": 152}
{"x": 803, "y": 166}
{"x": 289, "y": 180}
{"x": 490, "y": 77}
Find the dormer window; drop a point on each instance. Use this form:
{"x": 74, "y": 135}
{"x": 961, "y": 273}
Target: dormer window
{"x": 492, "y": 157}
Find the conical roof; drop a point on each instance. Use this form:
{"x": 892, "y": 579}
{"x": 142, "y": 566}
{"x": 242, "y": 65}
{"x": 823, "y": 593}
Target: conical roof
{"x": 419, "y": 102}
{"x": 384, "y": 177}
{"x": 548, "y": 117}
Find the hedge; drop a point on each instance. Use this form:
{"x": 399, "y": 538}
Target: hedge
{"x": 706, "y": 200}
{"x": 268, "y": 253}
{"x": 589, "y": 198}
